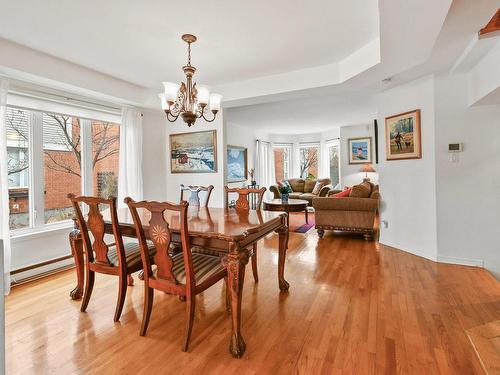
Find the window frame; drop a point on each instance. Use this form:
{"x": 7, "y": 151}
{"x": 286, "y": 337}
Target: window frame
{"x": 36, "y": 168}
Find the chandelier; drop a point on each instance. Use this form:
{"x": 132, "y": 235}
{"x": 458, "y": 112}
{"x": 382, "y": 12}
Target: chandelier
{"x": 187, "y": 100}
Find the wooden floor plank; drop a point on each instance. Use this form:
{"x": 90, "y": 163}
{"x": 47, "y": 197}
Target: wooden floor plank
{"x": 354, "y": 307}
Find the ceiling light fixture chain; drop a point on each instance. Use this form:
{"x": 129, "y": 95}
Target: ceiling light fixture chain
{"x": 188, "y": 100}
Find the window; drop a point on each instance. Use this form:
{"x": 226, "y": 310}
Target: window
{"x": 18, "y": 167}
{"x": 70, "y": 154}
{"x": 334, "y": 162}
{"x": 282, "y": 163}
{"x": 308, "y": 158}
{"x": 105, "y": 152}
{"x": 62, "y": 154}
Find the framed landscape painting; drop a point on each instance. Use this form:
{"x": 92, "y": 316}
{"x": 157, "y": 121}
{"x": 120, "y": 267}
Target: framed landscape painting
{"x": 360, "y": 150}
{"x": 236, "y": 170}
{"x": 193, "y": 152}
{"x": 402, "y": 136}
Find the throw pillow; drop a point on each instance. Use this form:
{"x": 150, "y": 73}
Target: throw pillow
{"x": 343, "y": 194}
{"x": 362, "y": 190}
{"x": 317, "y": 188}
{"x": 287, "y": 186}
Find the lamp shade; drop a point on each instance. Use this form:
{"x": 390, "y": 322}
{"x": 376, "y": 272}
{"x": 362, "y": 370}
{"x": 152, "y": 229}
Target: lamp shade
{"x": 366, "y": 168}
{"x": 203, "y": 94}
{"x": 170, "y": 91}
{"x": 215, "y": 100}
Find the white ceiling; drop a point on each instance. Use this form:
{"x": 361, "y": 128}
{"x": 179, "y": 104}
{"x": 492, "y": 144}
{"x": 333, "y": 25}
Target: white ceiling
{"x": 139, "y": 41}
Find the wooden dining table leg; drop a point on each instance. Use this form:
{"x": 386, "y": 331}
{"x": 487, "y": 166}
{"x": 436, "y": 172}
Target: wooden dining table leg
{"x": 235, "y": 263}
{"x": 76, "y": 243}
{"x": 283, "y": 245}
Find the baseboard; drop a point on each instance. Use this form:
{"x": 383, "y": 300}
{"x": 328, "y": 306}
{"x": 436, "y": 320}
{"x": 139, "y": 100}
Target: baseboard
{"x": 461, "y": 261}
{"x": 428, "y": 256}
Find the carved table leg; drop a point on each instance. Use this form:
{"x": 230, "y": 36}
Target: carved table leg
{"x": 283, "y": 245}
{"x": 75, "y": 241}
{"x": 235, "y": 263}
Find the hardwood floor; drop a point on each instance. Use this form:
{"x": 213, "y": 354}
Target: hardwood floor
{"x": 354, "y": 307}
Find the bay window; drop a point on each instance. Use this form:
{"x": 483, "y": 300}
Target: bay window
{"x": 334, "y": 161}
{"x": 308, "y": 159}
{"x": 282, "y": 161}
{"x": 51, "y": 155}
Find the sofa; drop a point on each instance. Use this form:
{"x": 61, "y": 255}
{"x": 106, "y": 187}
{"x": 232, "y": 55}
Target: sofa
{"x": 353, "y": 213}
{"x": 303, "y": 189}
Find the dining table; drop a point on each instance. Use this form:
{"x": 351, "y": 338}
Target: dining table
{"x": 228, "y": 231}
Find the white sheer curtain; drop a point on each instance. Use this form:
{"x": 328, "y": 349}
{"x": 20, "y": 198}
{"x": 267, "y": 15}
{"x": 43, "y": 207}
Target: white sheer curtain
{"x": 324, "y": 160}
{"x": 4, "y": 189}
{"x": 130, "y": 172}
{"x": 264, "y": 164}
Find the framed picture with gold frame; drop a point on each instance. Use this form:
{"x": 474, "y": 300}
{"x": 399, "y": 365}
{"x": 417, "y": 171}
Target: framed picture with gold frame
{"x": 403, "y": 138}
{"x": 194, "y": 152}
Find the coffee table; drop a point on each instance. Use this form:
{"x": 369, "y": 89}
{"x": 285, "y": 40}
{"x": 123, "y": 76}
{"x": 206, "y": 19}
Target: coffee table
{"x": 292, "y": 205}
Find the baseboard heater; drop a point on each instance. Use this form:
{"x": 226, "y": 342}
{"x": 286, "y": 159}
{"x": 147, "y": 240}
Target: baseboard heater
{"x": 20, "y": 279}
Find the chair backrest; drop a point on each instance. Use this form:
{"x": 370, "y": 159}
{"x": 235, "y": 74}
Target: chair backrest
{"x": 96, "y": 248}
{"x": 242, "y": 201}
{"x": 158, "y": 231}
{"x": 194, "y": 194}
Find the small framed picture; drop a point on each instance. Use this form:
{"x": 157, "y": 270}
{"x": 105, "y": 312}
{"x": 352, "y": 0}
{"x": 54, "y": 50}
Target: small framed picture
{"x": 402, "y": 136}
{"x": 360, "y": 150}
{"x": 236, "y": 169}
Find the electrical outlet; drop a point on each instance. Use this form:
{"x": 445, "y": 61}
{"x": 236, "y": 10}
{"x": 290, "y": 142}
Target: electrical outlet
{"x": 385, "y": 224}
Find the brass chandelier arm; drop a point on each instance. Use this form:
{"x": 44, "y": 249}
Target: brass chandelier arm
{"x": 206, "y": 119}
{"x": 170, "y": 117}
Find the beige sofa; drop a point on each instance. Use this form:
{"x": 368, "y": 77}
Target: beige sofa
{"x": 355, "y": 213}
{"x": 303, "y": 189}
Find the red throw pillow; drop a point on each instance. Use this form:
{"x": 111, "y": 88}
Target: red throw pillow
{"x": 342, "y": 194}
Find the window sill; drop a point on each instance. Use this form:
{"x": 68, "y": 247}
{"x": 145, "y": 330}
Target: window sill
{"x": 32, "y": 233}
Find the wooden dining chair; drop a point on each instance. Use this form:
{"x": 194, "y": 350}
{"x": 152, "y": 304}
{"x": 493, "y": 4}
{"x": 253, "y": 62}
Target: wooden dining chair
{"x": 118, "y": 258}
{"x": 242, "y": 203}
{"x": 185, "y": 274}
{"x": 194, "y": 195}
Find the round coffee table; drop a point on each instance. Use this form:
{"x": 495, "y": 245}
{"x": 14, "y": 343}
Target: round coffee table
{"x": 292, "y": 205}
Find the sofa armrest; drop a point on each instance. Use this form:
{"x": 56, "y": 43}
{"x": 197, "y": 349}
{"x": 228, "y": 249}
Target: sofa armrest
{"x": 345, "y": 204}
{"x": 325, "y": 190}
{"x": 275, "y": 191}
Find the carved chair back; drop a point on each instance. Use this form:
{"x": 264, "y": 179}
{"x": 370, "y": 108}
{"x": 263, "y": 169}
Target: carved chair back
{"x": 242, "y": 202}
{"x": 158, "y": 231}
{"x": 96, "y": 249}
{"x": 193, "y": 192}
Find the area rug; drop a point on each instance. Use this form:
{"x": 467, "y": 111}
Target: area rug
{"x": 298, "y": 222}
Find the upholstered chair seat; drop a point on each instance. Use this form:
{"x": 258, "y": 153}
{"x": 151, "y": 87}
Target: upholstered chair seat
{"x": 132, "y": 253}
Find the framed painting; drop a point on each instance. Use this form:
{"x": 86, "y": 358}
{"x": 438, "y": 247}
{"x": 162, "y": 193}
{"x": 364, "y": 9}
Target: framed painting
{"x": 236, "y": 166}
{"x": 193, "y": 152}
{"x": 360, "y": 150}
{"x": 402, "y": 136}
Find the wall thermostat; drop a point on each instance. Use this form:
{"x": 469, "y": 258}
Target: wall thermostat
{"x": 455, "y": 147}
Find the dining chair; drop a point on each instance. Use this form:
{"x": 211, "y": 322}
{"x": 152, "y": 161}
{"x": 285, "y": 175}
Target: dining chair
{"x": 194, "y": 195}
{"x": 185, "y": 274}
{"x": 242, "y": 203}
{"x": 118, "y": 258}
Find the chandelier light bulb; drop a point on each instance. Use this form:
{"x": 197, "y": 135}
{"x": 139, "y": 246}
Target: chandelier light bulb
{"x": 171, "y": 90}
{"x": 215, "y": 100}
{"x": 203, "y": 94}
{"x": 163, "y": 100}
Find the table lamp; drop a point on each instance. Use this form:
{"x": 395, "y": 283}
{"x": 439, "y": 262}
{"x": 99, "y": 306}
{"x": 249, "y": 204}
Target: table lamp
{"x": 367, "y": 168}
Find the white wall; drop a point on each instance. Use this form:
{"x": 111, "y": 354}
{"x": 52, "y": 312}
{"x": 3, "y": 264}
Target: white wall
{"x": 408, "y": 187}
{"x": 242, "y": 136}
{"x": 468, "y": 191}
{"x": 154, "y": 154}
{"x": 350, "y": 174}
{"x": 174, "y": 180}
